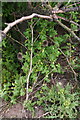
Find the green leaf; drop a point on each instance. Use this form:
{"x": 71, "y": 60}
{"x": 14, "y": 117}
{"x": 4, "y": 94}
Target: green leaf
{"x": 22, "y": 92}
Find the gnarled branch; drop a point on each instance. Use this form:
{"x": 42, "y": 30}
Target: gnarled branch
{"x": 51, "y": 17}
{"x": 10, "y": 25}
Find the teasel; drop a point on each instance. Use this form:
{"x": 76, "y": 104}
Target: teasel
{"x": 45, "y": 43}
{"x": 19, "y": 56}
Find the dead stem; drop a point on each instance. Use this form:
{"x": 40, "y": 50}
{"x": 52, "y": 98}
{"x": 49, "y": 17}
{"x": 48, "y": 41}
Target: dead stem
{"x": 75, "y": 74}
{"x": 69, "y": 30}
{"x": 30, "y": 70}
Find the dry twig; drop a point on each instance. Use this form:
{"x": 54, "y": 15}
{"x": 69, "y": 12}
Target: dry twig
{"x": 30, "y": 70}
{"x": 17, "y": 41}
{"x": 75, "y": 74}
{"x": 44, "y": 114}
{"x": 68, "y": 29}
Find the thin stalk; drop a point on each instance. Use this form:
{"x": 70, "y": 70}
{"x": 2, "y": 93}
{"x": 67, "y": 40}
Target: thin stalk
{"x": 30, "y": 70}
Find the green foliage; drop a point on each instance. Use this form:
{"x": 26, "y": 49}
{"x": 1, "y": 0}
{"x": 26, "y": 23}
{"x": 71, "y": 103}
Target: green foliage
{"x": 44, "y": 57}
{"x": 29, "y": 105}
{"x": 63, "y": 103}
{"x": 58, "y": 101}
{"x": 70, "y": 52}
{"x": 9, "y": 71}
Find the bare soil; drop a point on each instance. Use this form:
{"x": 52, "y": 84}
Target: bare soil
{"x": 17, "y": 111}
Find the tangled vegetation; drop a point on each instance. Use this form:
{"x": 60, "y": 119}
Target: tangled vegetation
{"x": 36, "y": 52}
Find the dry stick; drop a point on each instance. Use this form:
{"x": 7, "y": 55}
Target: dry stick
{"x": 44, "y": 114}
{"x": 39, "y": 83}
{"x": 10, "y": 25}
{"x": 39, "y": 34}
{"x": 44, "y": 78}
{"x": 36, "y": 23}
{"x": 72, "y": 9}
{"x": 17, "y": 41}
{"x": 35, "y": 81}
{"x": 17, "y": 29}
{"x": 68, "y": 20}
{"x": 32, "y": 93}
{"x": 73, "y": 4}
{"x": 63, "y": 10}
{"x": 30, "y": 70}
{"x": 68, "y": 29}
{"x": 20, "y": 32}
{"x": 74, "y": 23}
{"x": 75, "y": 74}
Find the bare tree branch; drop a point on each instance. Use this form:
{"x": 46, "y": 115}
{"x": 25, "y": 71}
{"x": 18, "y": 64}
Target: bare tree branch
{"x": 63, "y": 10}
{"x": 51, "y": 17}
{"x": 10, "y": 25}
{"x": 69, "y": 30}
{"x": 72, "y": 9}
{"x": 68, "y": 21}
